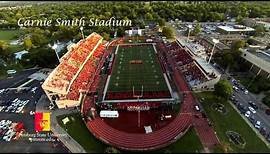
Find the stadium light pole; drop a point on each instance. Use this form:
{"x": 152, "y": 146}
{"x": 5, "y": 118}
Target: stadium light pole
{"x": 81, "y": 28}
{"x": 54, "y": 47}
{"x": 189, "y": 27}
{"x": 215, "y": 42}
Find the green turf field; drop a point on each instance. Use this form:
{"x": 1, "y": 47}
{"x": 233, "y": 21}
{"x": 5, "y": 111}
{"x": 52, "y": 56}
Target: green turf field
{"x": 126, "y": 75}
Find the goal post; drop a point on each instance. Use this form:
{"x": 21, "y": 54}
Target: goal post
{"x": 135, "y": 95}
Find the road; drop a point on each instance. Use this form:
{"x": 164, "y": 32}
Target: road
{"x": 5, "y": 83}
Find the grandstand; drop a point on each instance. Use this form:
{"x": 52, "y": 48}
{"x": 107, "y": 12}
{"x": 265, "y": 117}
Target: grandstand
{"x": 75, "y": 72}
{"x": 199, "y": 74}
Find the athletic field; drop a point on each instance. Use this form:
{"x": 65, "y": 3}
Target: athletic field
{"x": 136, "y": 66}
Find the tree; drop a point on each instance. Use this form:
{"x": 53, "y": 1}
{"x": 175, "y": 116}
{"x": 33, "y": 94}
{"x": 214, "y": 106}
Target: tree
{"x": 39, "y": 39}
{"x": 236, "y": 45}
{"x": 106, "y": 36}
{"x": 259, "y": 30}
{"x": 223, "y": 89}
{"x": 4, "y": 50}
{"x": 168, "y": 32}
{"x": 43, "y": 57}
{"x": 161, "y": 22}
{"x": 111, "y": 150}
{"x": 196, "y": 30}
{"x": 27, "y": 43}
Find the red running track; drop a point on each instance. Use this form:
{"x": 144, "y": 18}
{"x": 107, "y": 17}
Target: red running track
{"x": 132, "y": 141}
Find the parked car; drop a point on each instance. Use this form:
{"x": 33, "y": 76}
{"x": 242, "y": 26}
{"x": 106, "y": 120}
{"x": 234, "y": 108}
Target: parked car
{"x": 247, "y": 114}
{"x": 252, "y": 104}
{"x": 267, "y": 111}
{"x": 252, "y": 119}
{"x": 252, "y": 109}
{"x": 197, "y": 108}
{"x": 258, "y": 124}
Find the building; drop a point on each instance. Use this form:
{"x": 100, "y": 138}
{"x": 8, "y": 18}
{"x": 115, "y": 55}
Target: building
{"x": 235, "y": 29}
{"x": 259, "y": 61}
{"x": 208, "y": 44}
{"x": 252, "y": 22}
{"x": 135, "y": 32}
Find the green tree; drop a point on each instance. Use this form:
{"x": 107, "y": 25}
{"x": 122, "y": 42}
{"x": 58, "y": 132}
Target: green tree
{"x": 39, "y": 39}
{"x": 260, "y": 30}
{"x": 106, "y": 36}
{"x": 4, "y": 50}
{"x": 168, "y": 32}
{"x": 223, "y": 89}
{"x": 236, "y": 45}
{"x": 161, "y": 22}
{"x": 27, "y": 43}
{"x": 197, "y": 29}
{"x": 111, "y": 150}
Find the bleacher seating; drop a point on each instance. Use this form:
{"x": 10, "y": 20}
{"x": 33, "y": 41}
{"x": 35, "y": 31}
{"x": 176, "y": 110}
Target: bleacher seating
{"x": 66, "y": 71}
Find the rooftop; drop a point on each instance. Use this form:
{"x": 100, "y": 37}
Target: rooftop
{"x": 231, "y": 28}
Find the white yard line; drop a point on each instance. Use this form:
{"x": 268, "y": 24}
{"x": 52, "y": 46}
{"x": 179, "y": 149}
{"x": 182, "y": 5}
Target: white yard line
{"x": 106, "y": 87}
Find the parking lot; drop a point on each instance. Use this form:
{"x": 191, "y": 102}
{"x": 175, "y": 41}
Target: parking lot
{"x": 18, "y": 98}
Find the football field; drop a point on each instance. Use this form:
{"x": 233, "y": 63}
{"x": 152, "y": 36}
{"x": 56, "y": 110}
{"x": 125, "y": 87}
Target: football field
{"x": 136, "y": 66}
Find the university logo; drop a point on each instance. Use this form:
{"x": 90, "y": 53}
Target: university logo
{"x": 42, "y": 121}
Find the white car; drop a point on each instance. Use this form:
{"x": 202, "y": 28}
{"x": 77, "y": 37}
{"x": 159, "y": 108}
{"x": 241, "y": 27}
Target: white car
{"x": 15, "y": 100}
{"x": 197, "y": 108}
{"x": 19, "y": 109}
{"x": 252, "y": 109}
{"x": 258, "y": 124}
{"x": 246, "y": 92}
{"x": 235, "y": 88}
{"x": 32, "y": 113}
{"x": 247, "y": 114}
{"x": 34, "y": 89}
{"x": 2, "y": 90}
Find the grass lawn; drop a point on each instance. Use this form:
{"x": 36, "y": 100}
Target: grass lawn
{"x": 8, "y": 35}
{"x": 76, "y": 128}
{"x": 16, "y": 48}
{"x": 231, "y": 122}
{"x": 189, "y": 143}
{"x": 147, "y": 74}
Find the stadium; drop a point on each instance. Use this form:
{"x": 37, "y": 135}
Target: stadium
{"x": 134, "y": 93}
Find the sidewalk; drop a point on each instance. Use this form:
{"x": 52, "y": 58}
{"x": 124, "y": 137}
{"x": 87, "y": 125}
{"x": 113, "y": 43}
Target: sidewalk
{"x": 64, "y": 137}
